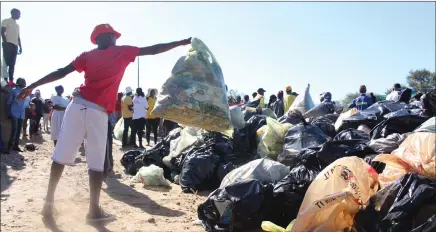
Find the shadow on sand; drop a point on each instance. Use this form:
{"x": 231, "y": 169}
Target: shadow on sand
{"x": 13, "y": 161}
{"x": 121, "y": 192}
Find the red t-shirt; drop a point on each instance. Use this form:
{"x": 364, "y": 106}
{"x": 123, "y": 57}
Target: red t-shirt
{"x": 118, "y": 105}
{"x": 104, "y": 70}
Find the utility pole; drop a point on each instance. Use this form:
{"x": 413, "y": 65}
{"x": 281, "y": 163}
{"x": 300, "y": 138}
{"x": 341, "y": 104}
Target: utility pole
{"x": 138, "y": 71}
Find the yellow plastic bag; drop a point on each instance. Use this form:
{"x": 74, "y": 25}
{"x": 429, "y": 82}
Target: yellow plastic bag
{"x": 336, "y": 194}
{"x": 195, "y": 94}
{"x": 271, "y": 227}
{"x": 343, "y": 116}
{"x": 415, "y": 154}
{"x": 271, "y": 142}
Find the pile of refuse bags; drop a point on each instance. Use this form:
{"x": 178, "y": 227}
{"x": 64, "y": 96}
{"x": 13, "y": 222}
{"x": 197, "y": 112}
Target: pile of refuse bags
{"x": 313, "y": 169}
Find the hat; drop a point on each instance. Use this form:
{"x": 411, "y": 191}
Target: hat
{"x": 103, "y": 28}
{"x": 128, "y": 90}
{"x": 288, "y": 88}
{"x": 261, "y": 90}
{"x": 327, "y": 96}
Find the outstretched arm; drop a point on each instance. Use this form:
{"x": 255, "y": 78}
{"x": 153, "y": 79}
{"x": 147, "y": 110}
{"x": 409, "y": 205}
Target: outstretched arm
{"x": 54, "y": 76}
{"x": 160, "y": 48}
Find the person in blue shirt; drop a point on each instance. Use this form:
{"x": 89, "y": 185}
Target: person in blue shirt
{"x": 16, "y": 112}
{"x": 363, "y": 101}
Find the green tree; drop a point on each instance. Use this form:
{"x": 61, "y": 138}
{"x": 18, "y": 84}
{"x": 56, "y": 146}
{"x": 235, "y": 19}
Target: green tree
{"x": 421, "y": 79}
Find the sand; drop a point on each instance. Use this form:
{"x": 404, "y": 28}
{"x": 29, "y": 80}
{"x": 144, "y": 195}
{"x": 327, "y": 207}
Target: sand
{"x": 24, "y": 179}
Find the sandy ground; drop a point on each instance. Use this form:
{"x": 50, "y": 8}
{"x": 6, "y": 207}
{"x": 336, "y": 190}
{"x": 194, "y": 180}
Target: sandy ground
{"x": 24, "y": 179}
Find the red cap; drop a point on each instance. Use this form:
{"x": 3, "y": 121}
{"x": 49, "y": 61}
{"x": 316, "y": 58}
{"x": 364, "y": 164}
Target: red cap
{"x": 103, "y": 28}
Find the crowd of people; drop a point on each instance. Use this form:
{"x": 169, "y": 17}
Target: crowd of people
{"x": 281, "y": 102}
{"x": 85, "y": 117}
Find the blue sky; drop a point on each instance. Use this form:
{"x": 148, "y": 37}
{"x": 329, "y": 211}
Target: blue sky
{"x": 333, "y": 46}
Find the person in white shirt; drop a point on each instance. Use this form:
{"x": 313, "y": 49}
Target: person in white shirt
{"x": 140, "y": 106}
{"x": 11, "y": 44}
{"x": 59, "y": 106}
{"x": 395, "y": 94}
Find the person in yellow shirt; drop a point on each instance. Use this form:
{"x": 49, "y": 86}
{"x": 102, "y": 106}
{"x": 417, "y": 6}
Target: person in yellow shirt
{"x": 152, "y": 121}
{"x": 289, "y": 98}
{"x": 260, "y": 97}
{"x": 127, "y": 113}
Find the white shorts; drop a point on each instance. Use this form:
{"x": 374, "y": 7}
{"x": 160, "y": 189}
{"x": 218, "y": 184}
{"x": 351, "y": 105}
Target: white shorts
{"x": 82, "y": 123}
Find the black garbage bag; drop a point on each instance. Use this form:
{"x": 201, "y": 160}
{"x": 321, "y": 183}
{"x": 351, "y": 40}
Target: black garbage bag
{"x": 289, "y": 192}
{"x": 333, "y": 150}
{"x": 238, "y": 207}
{"x": 299, "y": 138}
{"x": 402, "y": 121}
{"x": 388, "y": 144}
{"x": 326, "y": 125}
{"x": 199, "y": 165}
{"x": 224, "y": 169}
{"x": 252, "y": 125}
{"x": 321, "y": 109}
{"x": 128, "y": 161}
{"x": 293, "y": 117}
{"x": 408, "y": 204}
{"x": 352, "y": 133}
{"x": 372, "y": 115}
{"x": 378, "y": 166}
{"x": 199, "y": 171}
{"x": 427, "y": 126}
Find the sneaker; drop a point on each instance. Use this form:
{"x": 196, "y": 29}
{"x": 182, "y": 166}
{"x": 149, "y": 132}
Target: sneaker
{"x": 11, "y": 84}
{"x": 100, "y": 217}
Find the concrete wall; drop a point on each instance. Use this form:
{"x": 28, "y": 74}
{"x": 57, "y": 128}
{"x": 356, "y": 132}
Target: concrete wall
{"x": 5, "y": 122}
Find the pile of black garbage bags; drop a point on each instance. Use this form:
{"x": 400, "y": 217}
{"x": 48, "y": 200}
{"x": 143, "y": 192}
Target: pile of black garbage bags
{"x": 249, "y": 189}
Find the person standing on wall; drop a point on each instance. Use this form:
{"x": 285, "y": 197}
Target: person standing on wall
{"x": 60, "y": 104}
{"x": 127, "y": 113}
{"x": 152, "y": 121}
{"x": 140, "y": 107}
{"x": 86, "y": 117}
{"x": 38, "y": 112}
{"x": 11, "y": 44}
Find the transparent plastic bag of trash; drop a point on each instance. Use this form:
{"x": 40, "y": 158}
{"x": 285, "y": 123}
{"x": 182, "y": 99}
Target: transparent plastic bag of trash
{"x": 119, "y": 128}
{"x": 344, "y": 116}
{"x": 151, "y": 176}
{"x": 336, "y": 195}
{"x": 195, "y": 93}
{"x": 272, "y": 138}
{"x": 237, "y": 117}
{"x": 302, "y": 102}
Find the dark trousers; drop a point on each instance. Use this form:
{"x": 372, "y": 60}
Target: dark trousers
{"x": 152, "y": 125}
{"x": 127, "y": 125}
{"x": 34, "y": 124}
{"x": 10, "y": 52}
{"x": 109, "y": 160}
{"x": 26, "y": 120}
{"x": 17, "y": 124}
{"x": 138, "y": 126}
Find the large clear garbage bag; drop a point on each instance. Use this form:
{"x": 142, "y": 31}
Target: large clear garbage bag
{"x": 272, "y": 138}
{"x": 237, "y": 117}
{"x": 195, "y": 94}
{"x": 151, "y": 176}
{"x": 119, "y": 128}
{"x": 302, "y": 102}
